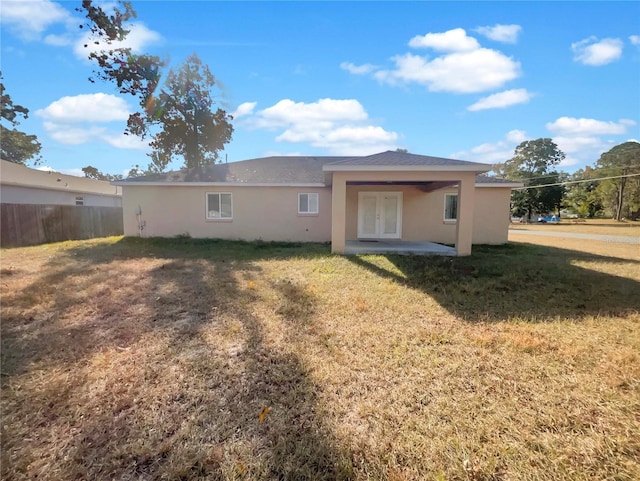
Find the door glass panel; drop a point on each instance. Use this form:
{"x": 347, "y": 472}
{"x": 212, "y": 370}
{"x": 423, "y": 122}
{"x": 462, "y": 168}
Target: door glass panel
{"x": 369, "y": 215}
{"x": 390, "y": 212}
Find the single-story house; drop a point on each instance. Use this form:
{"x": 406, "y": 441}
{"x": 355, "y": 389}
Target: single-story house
{"x": 391, "y": 198}
{"x": 23, "y": 185}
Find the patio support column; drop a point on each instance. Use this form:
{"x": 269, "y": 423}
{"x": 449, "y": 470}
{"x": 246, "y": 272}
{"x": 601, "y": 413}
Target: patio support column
{"x": 338, "y": 213}
{"x": 464, "y": 225}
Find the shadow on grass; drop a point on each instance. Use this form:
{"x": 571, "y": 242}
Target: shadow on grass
{"x": 209, "y": 395}
{"x": 522, "y": 281}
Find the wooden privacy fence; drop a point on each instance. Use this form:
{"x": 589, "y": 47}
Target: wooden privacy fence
{"x": 27, "y": 224}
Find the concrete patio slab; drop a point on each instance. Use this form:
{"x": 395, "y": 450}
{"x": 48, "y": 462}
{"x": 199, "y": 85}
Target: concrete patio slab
{"x": 397, "y": 247}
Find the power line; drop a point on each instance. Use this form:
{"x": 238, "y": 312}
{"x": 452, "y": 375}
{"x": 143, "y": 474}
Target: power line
{"x": 555, "y": 174}
{"x": 574, "y": 182}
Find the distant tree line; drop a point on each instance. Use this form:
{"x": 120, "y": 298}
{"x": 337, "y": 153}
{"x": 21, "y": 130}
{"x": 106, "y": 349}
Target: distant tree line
{"x": 617, "y": 195}
{"x": 609, "y": 188}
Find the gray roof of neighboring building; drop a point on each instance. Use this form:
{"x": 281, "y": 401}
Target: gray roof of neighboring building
{"x": 487, "y": 179}
{"x": 22, "y": 176}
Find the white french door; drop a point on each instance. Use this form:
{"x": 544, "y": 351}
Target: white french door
{"x": 379, "y": 215}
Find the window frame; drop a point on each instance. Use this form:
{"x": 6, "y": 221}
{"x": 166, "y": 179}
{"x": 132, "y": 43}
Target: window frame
{"x": 207, "y": 210}
{"x": 308, "y": 212}
{"x": 444, "y": 214}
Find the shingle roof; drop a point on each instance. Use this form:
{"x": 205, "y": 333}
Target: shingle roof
{"x": 395, "y": 158}
{"x": 23, "y": 176}
{"x": 298, "y": 169}
{"x": 266, "y": 170}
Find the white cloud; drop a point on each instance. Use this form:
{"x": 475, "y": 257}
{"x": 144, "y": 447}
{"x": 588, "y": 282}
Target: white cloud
{"x": 461, "y": 72}
{"x": 342, "y": 127}
{"x": 581, "y": 138}
{"x": 580, "y": 149}
{"x": 138, "y": 38}
{"x": 73, "y": 135}
{"x": 502, "y": 100}
{"x": 516, "y": 136}
{"x": 72, "y": 171}
{"x": 501, "y": 33}
{"x": 81, "y": 119}
{"x": 496, "y": 152}
{"x": 58, "y": 40}
{"x": 322, "y": 113}
{"x": 592, "y": 52}
{"x": 122, "y": 141}
{"x": 582, "y": 141}
{"x": 244, "y": 109}
{"x": 455, "y": 40}
{"x": 571, "y": 145}
{"x": 571, "y": 126}
{"x": 98, "y": 107}
{"x": 31, "y": 18}
{"x": 462, "y": 66}
{"x": 634, "y": 39}
{"x": 358, "y": 69}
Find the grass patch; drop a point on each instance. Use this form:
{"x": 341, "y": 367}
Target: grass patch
{"x": 202, "y": 359}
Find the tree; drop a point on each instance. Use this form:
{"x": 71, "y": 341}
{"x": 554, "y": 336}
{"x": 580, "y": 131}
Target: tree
{"x": 16, "y": 146}
{"x": 621, "y": 161}
{"x": 184, "y": 111}
{"x": 93, "y": 173}
{"x": 532, "y": 164}
{"x": 180, "y": 119}
{"x": 134, "y": 74}
{"x": 582, "y": 197}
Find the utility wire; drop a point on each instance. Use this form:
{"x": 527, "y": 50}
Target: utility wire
{"x": 555, "y": 174}
{"x": 573, "y": 182}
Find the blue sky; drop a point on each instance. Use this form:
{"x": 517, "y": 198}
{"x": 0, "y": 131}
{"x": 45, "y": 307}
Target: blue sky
{"x": 467, "y": 80}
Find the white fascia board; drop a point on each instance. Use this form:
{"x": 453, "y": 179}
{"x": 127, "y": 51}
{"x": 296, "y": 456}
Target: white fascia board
{"x": 217, "y": 184}
{"x": 477, "y": 168}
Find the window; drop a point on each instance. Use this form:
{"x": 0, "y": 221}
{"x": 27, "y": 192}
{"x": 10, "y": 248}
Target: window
{"x": 450, "y": 207}
{"x": 308, "y": 203}
{"x": 219, "y": 205}
{"x": 79, "y": 200}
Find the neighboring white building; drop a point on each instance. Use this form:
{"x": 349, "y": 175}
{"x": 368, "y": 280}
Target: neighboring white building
{"x": 22, "y": 185}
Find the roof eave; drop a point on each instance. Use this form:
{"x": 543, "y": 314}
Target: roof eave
{"x": 219, "y": 184}
{"x": 477, "y": 168}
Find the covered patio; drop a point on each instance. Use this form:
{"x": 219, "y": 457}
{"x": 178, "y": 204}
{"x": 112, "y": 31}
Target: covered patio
{"x": 383, "y": 194}
{"x": 389, "y": 246}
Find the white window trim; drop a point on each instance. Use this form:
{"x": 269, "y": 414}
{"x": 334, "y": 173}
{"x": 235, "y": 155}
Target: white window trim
{"x": 444, "y": 214}
{"x": 317, "y": 203}
{"x": 206, "y": 206}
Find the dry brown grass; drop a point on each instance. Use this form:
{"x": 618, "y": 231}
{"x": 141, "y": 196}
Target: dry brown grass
{"x": 586, "y": 226}
{"x": 179, "y": 359}
{"x": 600, "y": 248}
